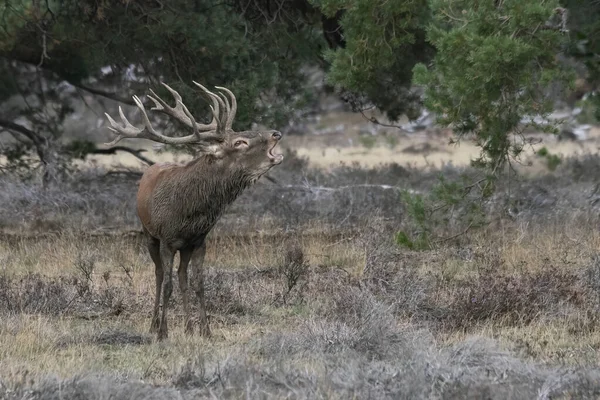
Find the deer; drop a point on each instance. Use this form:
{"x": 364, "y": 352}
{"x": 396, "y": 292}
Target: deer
{"x": 179, "y": 204}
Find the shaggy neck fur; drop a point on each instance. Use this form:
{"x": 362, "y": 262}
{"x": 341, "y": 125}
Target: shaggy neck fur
{"x": 212, "y": 184}
{"x": 191, "y": 201}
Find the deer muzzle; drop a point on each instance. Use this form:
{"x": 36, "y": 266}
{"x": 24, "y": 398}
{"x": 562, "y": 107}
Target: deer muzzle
{"x": 274, "y": 157}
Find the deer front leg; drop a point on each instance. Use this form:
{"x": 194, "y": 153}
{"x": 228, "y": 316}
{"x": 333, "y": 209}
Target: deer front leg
{"x": 198, "y": 286}
{"x": 166, "y": 255}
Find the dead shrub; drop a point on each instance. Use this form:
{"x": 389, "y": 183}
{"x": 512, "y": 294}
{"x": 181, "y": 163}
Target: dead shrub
{"x": 39, "y": 294}
{"x": 36, "y": 294}
{"x": 293, "y": 270}
{"x": 222, "y": 292}
{"x": 85, "y": 263}
{"x": 513, "y": 299}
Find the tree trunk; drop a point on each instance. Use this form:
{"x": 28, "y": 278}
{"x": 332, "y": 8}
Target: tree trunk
{"x": 50, "y": 160}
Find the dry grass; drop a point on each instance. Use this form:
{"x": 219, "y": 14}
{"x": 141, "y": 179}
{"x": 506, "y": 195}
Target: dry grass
{"x": 311, "y": 299}
{"x": 77, "y": 308}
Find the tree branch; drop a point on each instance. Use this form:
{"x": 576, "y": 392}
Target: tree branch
{"x": 14, "y": 127}
{"x": 108, "y": 95}
{"x": 28, "y": 58}
{"x": 113, "y": 150}
{"x": 377, "y": 122}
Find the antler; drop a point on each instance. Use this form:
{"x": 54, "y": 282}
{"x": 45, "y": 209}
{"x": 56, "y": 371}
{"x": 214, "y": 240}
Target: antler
{"x": 223, "y": 114}
{"x": 225, "y": 119}
{"x": 231, "y": 108}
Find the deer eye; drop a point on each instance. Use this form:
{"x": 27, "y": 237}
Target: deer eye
{"x": 239, "y": 143}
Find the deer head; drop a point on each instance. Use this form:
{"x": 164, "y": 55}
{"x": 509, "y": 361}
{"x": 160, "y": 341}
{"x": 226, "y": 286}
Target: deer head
{"x": 252, "y": 151}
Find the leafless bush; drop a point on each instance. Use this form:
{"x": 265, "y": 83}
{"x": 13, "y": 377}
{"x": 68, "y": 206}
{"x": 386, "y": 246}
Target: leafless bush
{"x": 87, "y": 200}
{"x": 294, "y": 269}
{"x": 346, "y": 196}
{"x": 36, "y": 294}
{"x": 223, "y": 293}
{"x": 514, "y": 299}
{"x": 84, "y": 266}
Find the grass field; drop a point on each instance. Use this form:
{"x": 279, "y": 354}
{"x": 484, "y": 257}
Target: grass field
{"x": 308, "y": 295}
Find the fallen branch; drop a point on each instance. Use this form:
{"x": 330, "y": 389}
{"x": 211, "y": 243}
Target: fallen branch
{"x": 347, "y": 187}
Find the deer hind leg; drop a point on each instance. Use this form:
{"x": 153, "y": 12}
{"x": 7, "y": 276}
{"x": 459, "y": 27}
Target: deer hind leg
{"x": 166, "y": 255}
{"x": 154, "y": 249}
{"x": 198, "y": 286}
{"x": 184, "y": 259}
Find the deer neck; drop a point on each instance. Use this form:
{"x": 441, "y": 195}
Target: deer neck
{"x": 212, "y": 184}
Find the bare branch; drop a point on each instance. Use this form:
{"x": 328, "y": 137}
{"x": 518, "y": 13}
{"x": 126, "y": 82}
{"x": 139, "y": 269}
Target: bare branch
{"x": 108, "y": 95}
{"x": 113, "y": 150}
{"x": 14, "y": 127}
{"x": 376, "y": 121}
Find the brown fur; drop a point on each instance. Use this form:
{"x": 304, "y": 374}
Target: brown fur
{"x": 178, "y": 205}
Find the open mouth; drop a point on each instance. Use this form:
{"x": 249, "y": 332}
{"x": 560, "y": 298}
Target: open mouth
{"x": 275, "y": 158}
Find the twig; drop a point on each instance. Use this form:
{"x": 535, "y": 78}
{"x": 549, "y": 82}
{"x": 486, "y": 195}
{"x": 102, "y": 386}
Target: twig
{"x": 376, "y": 121}
{"x": 44, "y": 55}
{"x": 455, "y": 236}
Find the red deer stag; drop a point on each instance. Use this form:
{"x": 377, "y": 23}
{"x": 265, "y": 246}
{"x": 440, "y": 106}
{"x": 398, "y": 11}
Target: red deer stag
{"x": 178, "y": 205}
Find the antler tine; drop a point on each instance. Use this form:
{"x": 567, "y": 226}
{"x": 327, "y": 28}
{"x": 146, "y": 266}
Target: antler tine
{"x": 177, "y": 112}
{"x": 233, "y": 110}
{"x": 222, "y": 111}
{"x": 128, "y": 131}
{"x": 193, "y": 121}
{"x": 117, "y": 129}
{"x": 227, "y": 108}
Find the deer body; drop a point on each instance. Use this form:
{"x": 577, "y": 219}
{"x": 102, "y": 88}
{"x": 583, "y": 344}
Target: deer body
{"x": 181, "y": 204}
{"x": 178, "y": 205}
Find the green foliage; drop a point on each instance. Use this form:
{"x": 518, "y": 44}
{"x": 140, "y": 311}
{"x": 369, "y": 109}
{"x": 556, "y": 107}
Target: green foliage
{"x": 584, "y": 31}
{"x": 43, "y": 44}
{"x": 483, "y": 65}
{"x": 590, "y": 110}
{"x": 449, "y": 210}
{"x": 391, "y": 141}
{"x": 383, "y": 41}
{"x": 18, "y": 160}
{"x": 492, "y": 63}
{"x": 368, "y": 141}
{"x": 419, "y": 238}
{"x": 552, "y": 160}
{"x": 80, "y": 148}
{"x": 203, "y": 40}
